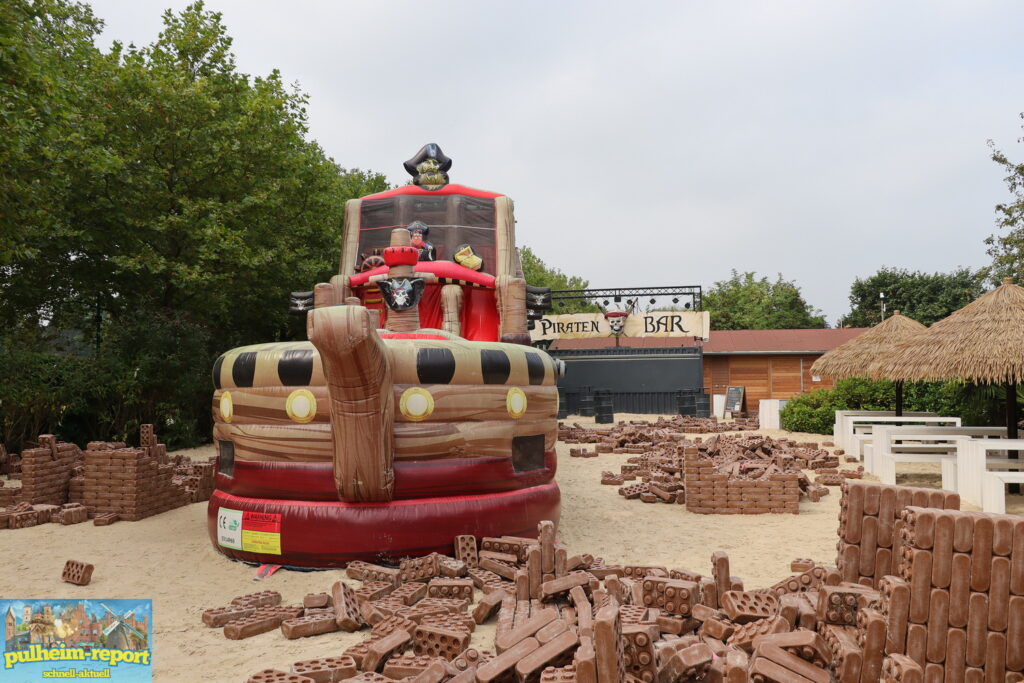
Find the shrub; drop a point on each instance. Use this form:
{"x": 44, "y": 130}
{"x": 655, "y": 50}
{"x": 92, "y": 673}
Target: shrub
{"x": 815, "y": 411}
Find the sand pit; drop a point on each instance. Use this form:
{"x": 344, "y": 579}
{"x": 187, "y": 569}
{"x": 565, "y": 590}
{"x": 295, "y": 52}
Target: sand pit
{"x": 169, "y": 558}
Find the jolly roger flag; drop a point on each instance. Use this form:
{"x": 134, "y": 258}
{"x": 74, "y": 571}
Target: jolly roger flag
{"x": 401, "y": 294}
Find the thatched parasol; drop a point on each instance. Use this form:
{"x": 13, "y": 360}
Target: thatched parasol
{"x": 983, "y": 343}
{"x": 855, "y": 357}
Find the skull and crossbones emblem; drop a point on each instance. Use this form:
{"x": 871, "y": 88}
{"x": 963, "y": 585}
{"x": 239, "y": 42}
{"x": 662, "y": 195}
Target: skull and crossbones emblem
{"x": 616, "y": 322}
{"x": 401, "y": 293}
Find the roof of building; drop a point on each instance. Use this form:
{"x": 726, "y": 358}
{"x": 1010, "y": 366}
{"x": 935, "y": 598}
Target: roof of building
{"x": 767, "y": 341}
{"x": 731, "y": 341}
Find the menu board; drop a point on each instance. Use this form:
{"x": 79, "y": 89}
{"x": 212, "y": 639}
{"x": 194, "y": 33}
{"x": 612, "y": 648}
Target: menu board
{"x": 734, "y": 399}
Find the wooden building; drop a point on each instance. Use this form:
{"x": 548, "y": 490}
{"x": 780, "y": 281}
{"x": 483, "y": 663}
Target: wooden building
{"x": 769, "y": 363}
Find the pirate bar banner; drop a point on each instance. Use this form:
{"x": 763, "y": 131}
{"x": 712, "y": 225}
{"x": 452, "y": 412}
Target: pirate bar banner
{"x": 618, "y": 324}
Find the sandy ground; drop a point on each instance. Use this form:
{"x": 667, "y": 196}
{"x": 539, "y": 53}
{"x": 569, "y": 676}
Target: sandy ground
{"x": 170, "y": 560}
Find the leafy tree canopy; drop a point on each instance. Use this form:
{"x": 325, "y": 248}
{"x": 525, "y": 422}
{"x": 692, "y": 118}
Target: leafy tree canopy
{"x": 159, "y": 195}
{"x": 1007, "y": 249}
{"x": 746, "y": 302}
{"x": 925, "y": 297}
{"x": 190, "y": 185}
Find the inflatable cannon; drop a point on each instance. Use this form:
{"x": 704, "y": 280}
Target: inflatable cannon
{"x": 384, "y": 437}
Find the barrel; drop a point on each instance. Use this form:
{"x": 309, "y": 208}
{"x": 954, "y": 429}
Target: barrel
{"x": 586, "y": 401}
{"x": 604, "y": 412}
{"x": 587, "y": 406}
{"x": 703, "y": 405}
{"x": 563, "y": 404}
{"x": 686, "y": 402}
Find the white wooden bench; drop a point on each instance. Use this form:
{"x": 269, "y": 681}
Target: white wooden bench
{"x": 893, "y": 445}
{"x": 994, "y": 490}
{"x": 860, "y": 428}
{"x": 842, "y": 429}
{"x": 978, "y": 484}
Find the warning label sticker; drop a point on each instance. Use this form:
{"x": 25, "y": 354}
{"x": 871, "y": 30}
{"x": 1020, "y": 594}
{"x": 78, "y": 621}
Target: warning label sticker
{"x": 261, "y": 521}
{"x": 261, "y": 542}
{"x": 261, "y": 532}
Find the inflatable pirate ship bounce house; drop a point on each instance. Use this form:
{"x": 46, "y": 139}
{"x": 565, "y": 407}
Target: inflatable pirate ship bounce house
{"x": 416, "y": 411}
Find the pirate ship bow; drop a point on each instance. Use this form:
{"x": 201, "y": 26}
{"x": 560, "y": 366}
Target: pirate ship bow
{"x": 417, "y": 409}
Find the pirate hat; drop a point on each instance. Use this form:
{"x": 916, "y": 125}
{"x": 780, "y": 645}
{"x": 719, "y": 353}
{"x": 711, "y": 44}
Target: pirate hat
{"x": 428, "y": 151}
{"x": 420, "y": 226}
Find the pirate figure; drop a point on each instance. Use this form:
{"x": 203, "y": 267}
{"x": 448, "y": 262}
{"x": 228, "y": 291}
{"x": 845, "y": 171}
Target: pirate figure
{"x": 419, "y": 233}
{"x": 401, "y": 287}
{"x": 429, "y": 167}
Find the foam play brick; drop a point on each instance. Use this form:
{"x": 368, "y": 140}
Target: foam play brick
{"x": 381, "y": 649}
{"x": 393, "y": 623}
{"x": 419, "y": 568}
{"x": 501, "y": 668}
{"x": 671, "y": 595}
{"x": 326, "y": 669}
{"x": 346, "y": 609}
{"x": 438, "y": 641}
{"x": 638, "y": 651}
{"x": 276, "y": 676}
{"x": 743, "y": 636}
{"x": 744, "y": 607}
{"x": 261, "y": 599}
{"x": 310, "y": 625}
{"x": 78, "y": 573}
{"x": 316, "y": 600}
{"x": 364, "y": 571}
{"x": 254, "y": 625}
{"x": 804, "y": 643}
{"x": 219, "y": 616}
{"x": 407, "y": 665}
{"x": 450, "y": 588}
{"x": 608, "y": 646}
{"x": 557, "y": 650}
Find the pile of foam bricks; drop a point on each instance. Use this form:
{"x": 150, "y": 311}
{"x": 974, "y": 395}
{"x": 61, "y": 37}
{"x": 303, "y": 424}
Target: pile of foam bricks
{"x": 627, "y": 432}
{"x": 726, "y": 474}
{"x": 953, "y": 610}
{"x": 107, "y": 482}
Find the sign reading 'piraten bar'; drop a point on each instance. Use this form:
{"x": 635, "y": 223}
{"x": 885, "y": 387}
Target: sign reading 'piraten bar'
{"x": 611, "y": 325}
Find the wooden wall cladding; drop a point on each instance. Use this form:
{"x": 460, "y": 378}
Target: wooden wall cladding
{"x": 763, "y": 375}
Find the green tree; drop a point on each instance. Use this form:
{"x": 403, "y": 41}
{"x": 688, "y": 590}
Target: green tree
{"x": 1007, "y": 250}
{"x": 539, "y": 274}
{"x": 177, "y": 203}
{"x": 46, "y": 49}
{"x": 746, "y": 302}
{"x": 925, "y": 297}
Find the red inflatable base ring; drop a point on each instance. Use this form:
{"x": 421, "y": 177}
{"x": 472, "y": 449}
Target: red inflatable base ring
{"x": 413, "y": 480}
{"x": 332, "y": 534}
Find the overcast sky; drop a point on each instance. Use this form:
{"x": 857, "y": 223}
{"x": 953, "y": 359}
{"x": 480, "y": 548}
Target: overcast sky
{"x": 668, "y": 143}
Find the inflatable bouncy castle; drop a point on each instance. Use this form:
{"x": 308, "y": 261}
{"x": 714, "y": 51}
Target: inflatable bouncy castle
{"x": 416, "y": 411}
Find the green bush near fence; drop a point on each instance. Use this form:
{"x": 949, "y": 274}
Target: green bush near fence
{"x": 814, "y": 412}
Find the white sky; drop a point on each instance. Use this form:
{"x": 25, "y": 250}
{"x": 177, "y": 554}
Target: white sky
{"x": 667, "y": 143}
